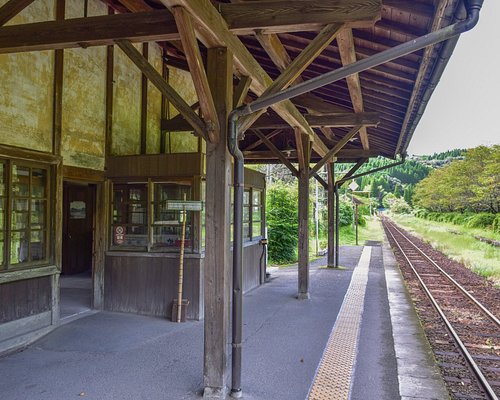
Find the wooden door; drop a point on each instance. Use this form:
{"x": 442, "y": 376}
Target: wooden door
{"x": 78, "y": 220}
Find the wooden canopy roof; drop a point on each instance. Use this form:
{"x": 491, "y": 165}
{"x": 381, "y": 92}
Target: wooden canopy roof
{"x": 277, "y": 43}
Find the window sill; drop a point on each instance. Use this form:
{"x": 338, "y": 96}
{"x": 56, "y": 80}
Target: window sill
{"x": 27, "y": 273}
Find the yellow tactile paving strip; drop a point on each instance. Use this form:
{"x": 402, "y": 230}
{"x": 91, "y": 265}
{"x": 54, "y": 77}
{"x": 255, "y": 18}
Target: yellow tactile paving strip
{"x": 333, "y": 377}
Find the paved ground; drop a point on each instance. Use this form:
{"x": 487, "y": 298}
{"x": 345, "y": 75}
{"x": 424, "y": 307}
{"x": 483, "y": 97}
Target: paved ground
{"x": 107, "y": 356}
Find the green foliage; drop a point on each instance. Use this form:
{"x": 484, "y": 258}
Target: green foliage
{"x": 399, "y": 206}
{"x": 281, "y": 213}
{"x": 481, "y": 220}
{"x": 471, "y": 184}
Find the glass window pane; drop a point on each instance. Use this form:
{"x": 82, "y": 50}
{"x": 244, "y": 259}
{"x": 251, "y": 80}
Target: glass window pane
{"x": 20, "y": 220}
{"x": 37, "y": 214}
{"x": 20, "y": 180}
{"x": 37, "y": 245}
{"x": 38, "y": 182}
{"x": 246, "y": 197}
{"x": 19, "y": 247}
{"x": 246, "y": 214}
{"x": 21, "y": 205}
{"x": 256, "y": 213}
{"x": 246, "y": 231}
{"x": 256, "y": 229}
{"x": 256, "y": 197}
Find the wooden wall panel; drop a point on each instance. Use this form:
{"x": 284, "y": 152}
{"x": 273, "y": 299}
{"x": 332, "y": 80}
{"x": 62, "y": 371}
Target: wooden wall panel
{"x": 147, "y": 285}
{"x": 151, "y": 166}
{"x": 251, "y": 266}
{"x": 24, "y": 298}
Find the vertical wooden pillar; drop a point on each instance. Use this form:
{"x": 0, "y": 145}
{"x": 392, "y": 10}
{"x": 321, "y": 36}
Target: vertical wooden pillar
{"x": 217, "y": 269}
{"x": 331, "y": 215}
{"x": 144, "y": 104}
{"x": 100, "y": 243}
{"x": 304, "y": 223}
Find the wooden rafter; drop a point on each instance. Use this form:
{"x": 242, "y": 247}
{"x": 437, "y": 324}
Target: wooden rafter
{"x": 159, "y": 25}
{"x": 280, "y": 57}
{"x": 303, "y": 146}
{"x": 347, "y": 51}
{"x": 341, "y": 143}
{"x": 10, "y": 9}
{"x": 276, "y": 16}
{"x": 198, "y": 74}
{"x": 276, "y": 152}
{"x": 338, "y": 120}
{"x": 258, "y": 142}
{"x": 241, "y": 90}
{"x": 344, "y": 154}
{"x": 214, "y": 32}
{"x": 296, "y": 67}
{"x": 168, "y": 91}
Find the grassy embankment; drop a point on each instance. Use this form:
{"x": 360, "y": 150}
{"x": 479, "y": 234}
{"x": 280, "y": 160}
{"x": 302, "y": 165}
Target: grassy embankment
{"x": 458, "y": 243}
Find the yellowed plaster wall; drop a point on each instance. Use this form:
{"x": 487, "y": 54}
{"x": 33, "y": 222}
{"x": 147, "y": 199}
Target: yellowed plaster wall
{"x": 154, "y": 103}
{"x": 126, "y": 105}
{"x": 182, "y": 142}
{"x": 84, "y": 97}
{"x": 26, "y": 87}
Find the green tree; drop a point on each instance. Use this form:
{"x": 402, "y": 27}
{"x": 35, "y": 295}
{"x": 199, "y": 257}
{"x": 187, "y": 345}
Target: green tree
{"x": 281, "y": 214}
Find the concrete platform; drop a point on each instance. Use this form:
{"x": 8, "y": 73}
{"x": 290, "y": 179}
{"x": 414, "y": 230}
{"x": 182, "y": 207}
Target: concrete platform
{"x": 121, "y": 356}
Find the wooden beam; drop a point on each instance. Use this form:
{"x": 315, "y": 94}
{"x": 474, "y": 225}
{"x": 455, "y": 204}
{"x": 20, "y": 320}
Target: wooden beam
{"x": 278, "y": 16}
{"x": 241, "y": 90}
{"x": 214, "y": 31}
{"x": 58, "y": 87}
{"x": 295, "y": 68}
{"x": 144, "y": 103}
{"x": 137, "y": 5}
{"x": 341, "y": 143}
{"x": 110, "y": 61}
{"x": 347, "y": 51}
{"x": 159, "y": 25}
{"x": 277, "y": 153}
{"x": 198, "y": 74}
{"x": 260, "y": 141}
{"x": 10, "y": 9}
{"x": 156, "y": 79}
{"x": 338, "y": 120}
{"x": 91, "y": 31}
{"x": 344, "y": 154}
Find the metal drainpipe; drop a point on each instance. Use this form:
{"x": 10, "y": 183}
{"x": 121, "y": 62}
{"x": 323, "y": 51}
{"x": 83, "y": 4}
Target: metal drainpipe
{"x": 237, "y": 310}
{"x": 472, "y": 6}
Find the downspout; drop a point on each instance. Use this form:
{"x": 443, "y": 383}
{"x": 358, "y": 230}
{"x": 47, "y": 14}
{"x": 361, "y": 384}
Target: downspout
{"x": 473, "y": 7}
{"x": 237, "y": 310}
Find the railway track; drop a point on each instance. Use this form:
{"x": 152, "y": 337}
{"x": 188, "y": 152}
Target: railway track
{"x": 464, "y": 333}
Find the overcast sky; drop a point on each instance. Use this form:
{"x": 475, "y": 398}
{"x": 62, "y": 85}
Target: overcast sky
{"x": 464, "y": 108}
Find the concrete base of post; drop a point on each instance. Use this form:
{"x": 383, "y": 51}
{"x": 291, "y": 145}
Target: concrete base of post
{"x": 303, "y": 296}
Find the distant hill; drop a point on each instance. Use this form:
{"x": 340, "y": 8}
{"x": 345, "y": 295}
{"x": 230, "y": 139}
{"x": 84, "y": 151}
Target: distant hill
{"x": 401, "y": 179}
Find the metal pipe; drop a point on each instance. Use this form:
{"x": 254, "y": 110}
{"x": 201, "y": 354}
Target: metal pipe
{"x": 472, "y": 6}
{"x": 237, "y": 310}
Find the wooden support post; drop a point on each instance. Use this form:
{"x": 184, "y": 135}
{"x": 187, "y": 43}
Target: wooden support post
{"x": 331, "y": 215}
{"x": 144, "y": 103}
{"x": 217, "y": 268}
{"x": 100, "y": 243}
{"x": 303, "y": 249}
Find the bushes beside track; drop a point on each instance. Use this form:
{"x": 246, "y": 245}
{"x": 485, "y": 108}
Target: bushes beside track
{"x": 482, "y": 220}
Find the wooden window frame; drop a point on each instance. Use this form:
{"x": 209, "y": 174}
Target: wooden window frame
{"x": 49, "y": 199}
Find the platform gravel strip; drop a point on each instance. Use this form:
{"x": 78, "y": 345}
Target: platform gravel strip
{"x": 333, "y": 376}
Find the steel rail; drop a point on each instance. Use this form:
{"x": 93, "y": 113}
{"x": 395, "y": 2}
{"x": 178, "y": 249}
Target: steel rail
{"x": 481, "y": 378}
{"x": 462, "y": 289}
